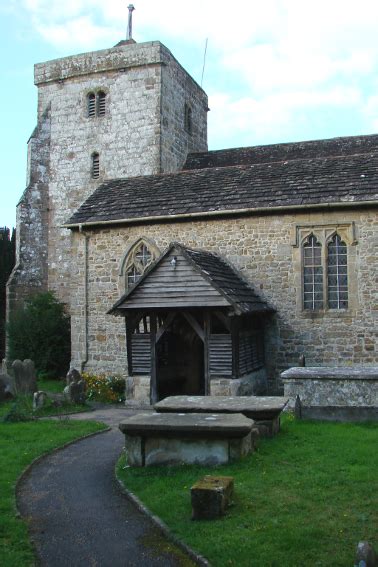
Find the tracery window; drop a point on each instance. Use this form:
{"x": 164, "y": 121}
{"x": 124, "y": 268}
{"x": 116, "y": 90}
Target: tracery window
{"x": 325, "y": 273}
{"x": 138, "y": 260}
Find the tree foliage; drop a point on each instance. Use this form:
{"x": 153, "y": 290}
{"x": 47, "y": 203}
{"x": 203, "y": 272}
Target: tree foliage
{"x": 41, "y": 331}
{"x": 7, "y": 260}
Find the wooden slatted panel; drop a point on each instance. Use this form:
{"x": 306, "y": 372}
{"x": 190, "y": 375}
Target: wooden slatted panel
{"x": 220, "y": 355}
{"x": 251, "y": 351}
{"x": 91, "y": 99}
{"x": 181, "y": 286}
{"x": 141, "y": 353}
{"x": 101, "y": 104}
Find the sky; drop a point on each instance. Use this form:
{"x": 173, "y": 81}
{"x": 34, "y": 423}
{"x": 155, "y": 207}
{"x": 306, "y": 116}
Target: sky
{"x": 275, "y": 71}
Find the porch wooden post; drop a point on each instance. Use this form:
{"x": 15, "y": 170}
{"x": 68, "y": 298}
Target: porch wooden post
{"x": 153, "y": 388}
{"x": 128, "y": 346}
{"x": 206, "y": 325}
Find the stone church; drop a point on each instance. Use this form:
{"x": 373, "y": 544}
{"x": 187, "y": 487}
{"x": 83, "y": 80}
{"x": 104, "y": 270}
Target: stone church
{"x": 185, "y": 270}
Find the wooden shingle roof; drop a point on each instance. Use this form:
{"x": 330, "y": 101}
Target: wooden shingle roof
{"x": 327, "y": 173}
{"x": 201, "y": 279}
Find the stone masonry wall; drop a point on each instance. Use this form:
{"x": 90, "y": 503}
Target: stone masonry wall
{"x": 263, "y": 249}
{"x": 30, "y": 272}
{"x": 129, "y": 138}
{"x": 178, "y": 89}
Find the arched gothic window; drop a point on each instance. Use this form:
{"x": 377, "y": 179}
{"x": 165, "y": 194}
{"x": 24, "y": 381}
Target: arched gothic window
{"x": 139, "y": 258}
{"x": 312, "y": 274}
{"x": 337, "y": 274}
{"x": 325, "y": 273}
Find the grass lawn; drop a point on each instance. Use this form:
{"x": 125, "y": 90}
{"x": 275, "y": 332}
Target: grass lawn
{"x": 305, "y": 498}
{"x": 56, "y": 386}
{"x": 20, "y": 443}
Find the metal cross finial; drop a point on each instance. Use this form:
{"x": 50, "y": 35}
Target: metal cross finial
{"x": 130, "y": 23}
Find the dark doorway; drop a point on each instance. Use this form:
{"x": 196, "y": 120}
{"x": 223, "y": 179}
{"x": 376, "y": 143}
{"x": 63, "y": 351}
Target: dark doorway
{"x": 180, "y": 361}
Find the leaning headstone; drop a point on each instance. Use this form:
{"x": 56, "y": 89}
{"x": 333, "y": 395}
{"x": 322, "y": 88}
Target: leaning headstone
{"x": 24, "y": 377}
{"x": 6, "y": 389}
{"x": 39, "y": 400}
{"x": 365, "y": 555}
{"x": 74, "y": 392}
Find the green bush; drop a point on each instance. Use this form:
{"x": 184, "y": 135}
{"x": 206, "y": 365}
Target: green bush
{"x": 41, "y": 331}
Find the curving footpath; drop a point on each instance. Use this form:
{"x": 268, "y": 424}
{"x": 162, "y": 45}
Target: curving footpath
{"x": 77, "y": 514}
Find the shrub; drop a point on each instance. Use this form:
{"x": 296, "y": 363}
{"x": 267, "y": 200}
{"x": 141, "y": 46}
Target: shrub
{"x": 101, "y": 388}
{"x": 41, "y": 331}
{"x": 20, "y": 410}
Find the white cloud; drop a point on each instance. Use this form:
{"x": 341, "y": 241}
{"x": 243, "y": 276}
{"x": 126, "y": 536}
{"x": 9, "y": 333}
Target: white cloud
{"x": 270, "y": 64}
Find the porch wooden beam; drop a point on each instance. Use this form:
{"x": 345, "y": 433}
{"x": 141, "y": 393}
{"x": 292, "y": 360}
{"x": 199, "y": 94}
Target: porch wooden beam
{"x": 165, "y": 325}
{"x": 195, "y": 325}
{"x": 224, "y": 319}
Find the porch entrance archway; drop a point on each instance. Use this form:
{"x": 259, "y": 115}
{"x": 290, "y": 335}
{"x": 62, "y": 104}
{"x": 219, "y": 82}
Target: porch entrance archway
{"x": 180, "y": 361}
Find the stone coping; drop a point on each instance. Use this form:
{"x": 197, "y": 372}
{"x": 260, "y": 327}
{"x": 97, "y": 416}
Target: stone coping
{"x": 254, "y": 407}
{"x": 187, "y": 424}
{"x": 330, "y": 373}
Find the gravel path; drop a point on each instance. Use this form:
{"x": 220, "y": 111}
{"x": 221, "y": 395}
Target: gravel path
{"x": 78, "y": 516}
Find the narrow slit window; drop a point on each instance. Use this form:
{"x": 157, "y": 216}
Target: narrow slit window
{"x": 312, "y": 275}
{"x": 95, "y": 166}
{"x": 337, "y": 274}
{"x": 91, "y": 102}
{"x": 188, "y": 118}
{"x": 101, "y": 104}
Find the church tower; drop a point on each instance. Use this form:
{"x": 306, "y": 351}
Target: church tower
{"x": 127, "y": 111}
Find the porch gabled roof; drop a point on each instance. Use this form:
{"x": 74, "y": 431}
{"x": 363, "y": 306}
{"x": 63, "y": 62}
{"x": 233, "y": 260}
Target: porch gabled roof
{"x": 199, "y": 279}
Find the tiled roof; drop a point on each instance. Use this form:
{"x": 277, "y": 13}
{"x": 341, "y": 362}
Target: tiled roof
{"x": 282, "y": 152}
{"x": 227, "y": 280}
{"x": 221, "y": 275}
{"x": 340, "y": 171}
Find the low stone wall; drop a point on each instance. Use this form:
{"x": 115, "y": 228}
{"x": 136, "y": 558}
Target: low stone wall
{"x": 347, "y": 394}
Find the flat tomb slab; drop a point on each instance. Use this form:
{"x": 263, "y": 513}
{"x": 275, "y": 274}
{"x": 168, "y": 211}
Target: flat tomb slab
{"x": 264, "y": 410}
{"x": 191, "y": 438}
{"x": 331, "y": 373}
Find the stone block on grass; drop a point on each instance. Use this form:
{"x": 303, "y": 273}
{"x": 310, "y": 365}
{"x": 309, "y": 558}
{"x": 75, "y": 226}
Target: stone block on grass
{"x": 211, "y": 496}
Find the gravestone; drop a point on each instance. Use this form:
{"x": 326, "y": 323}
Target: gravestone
{"x": 39, "y": 400}
{"x": 6, "y": 389}
{"x": 74, "y": 392}
{"x": 24, "y": 377}
{"x": 365, "y": 555}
